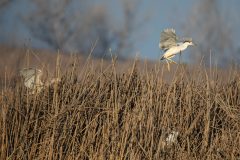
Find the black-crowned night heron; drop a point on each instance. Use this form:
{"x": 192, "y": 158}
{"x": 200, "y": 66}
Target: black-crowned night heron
{"x": 32, "y": 79}
{"x": 170, "y": 43}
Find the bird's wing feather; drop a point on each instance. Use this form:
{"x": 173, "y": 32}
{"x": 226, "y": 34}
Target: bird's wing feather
{"x": 30, "y": 82}
{"x": 29, "y": 77}
{"x": 168, "y": 39}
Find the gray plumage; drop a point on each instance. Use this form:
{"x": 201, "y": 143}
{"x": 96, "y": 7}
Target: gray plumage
{"x": 168, "y": 39}
{"x": 170, "y": 43}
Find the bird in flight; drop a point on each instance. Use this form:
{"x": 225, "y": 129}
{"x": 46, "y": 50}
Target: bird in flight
{"x": 32, "y": 79}
{"x": 171, "y": 45}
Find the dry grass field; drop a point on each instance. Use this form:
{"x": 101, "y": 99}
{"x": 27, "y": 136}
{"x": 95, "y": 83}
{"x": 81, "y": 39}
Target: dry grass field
{"x": 117, "y": 110}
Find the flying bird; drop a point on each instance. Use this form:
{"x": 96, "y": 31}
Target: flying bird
{"x": 171, "y": 45}
{"x": 32, "y": 79}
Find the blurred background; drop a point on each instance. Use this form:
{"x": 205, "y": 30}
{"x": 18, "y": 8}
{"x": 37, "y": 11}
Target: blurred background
{"x": 128, "y": 27}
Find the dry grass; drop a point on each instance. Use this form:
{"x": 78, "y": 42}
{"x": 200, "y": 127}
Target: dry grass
{"x": 97, "y": 112}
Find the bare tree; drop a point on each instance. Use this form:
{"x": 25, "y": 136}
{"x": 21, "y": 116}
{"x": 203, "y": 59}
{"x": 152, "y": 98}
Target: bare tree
{"x": 4, "y": 3}
{"x": 48, "y": 22}
{"x": 94, "y": 26}
{"x": 212, "y": 32}
{"x": 130, "y": 11}
{"x": 62, "y": 25}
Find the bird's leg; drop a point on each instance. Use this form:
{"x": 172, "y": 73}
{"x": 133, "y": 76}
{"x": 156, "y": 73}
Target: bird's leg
{"x": 180, "y": 56}
{"x": 172, "y": 61}
{"x": 168, "y": 65}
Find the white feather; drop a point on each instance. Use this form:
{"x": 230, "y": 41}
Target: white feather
{"x": 168, "y": 43}
{"x": 31, "y": 78}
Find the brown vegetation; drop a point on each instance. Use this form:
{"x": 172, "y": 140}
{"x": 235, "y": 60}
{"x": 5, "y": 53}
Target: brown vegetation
{"x": 97, "y": 112}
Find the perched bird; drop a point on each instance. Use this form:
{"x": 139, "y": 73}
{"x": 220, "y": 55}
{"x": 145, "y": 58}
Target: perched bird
{"x": 32, "y": 79}
{"x": 170, "y": 43}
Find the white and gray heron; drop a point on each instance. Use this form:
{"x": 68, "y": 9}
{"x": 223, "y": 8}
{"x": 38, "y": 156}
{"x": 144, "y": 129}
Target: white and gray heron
{"x": 171, "y": 45}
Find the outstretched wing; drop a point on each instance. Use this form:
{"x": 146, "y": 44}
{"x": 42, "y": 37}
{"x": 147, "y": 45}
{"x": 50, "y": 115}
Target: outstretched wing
{"x": 29, "y": 77}
{"x": 168, "y": 39}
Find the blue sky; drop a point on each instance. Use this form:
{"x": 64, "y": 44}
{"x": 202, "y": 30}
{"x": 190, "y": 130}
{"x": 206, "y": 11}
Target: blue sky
{"x": 176, "y": 14}
{"x": 163, "y": 14}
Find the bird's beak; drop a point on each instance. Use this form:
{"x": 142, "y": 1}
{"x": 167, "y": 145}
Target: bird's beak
{"x": 194, "y": 44}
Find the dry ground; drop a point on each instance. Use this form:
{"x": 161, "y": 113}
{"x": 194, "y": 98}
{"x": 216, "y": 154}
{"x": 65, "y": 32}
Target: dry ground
{"x": 113, "y": 110}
